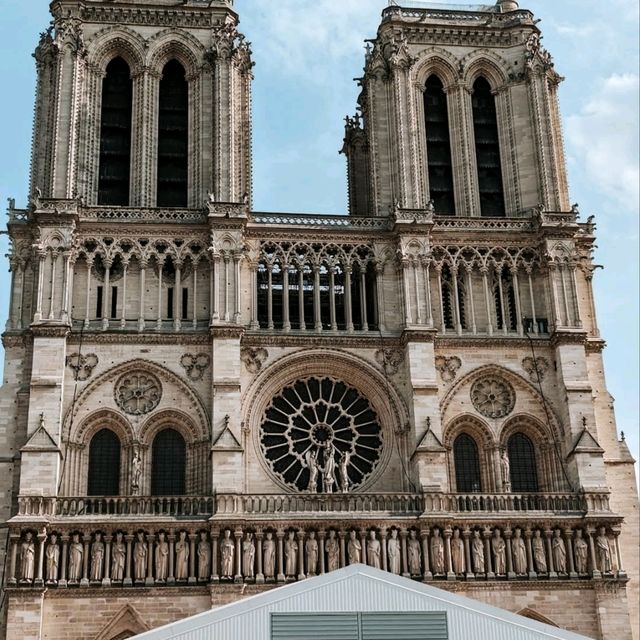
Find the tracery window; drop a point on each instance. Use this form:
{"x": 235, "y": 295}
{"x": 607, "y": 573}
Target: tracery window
{"x": 168, "y": 464}
{"x": 115, "y": 135}
{"x": 467, "y": 464}
{"x": 485, "y": 125}
{"x": 522, "y": 463}
{"x": 438, "y": 147}
{"x": 173, "y": 137}
{"x": 104, "y": 464}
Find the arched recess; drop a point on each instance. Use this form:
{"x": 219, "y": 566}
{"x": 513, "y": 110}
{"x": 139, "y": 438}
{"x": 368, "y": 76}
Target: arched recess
{"x": 383, "y": 397}
{"x": 480, "y": 432}
{"x": 105, "y": 455}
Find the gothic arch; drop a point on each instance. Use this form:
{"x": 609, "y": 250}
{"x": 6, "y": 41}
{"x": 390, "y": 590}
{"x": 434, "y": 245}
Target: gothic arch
{"x": 524, "y": 423}
{"x": 436, "y": 61}
{"x": 175, "y": 44}
{"x": 487, "y": 64}
{"x": 173, "y": 419}
{"x": 102, "y": 419}
{"x": 114, "y": 42}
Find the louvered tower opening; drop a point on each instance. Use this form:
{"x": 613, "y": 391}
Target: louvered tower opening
{"x": 438, "y": 147}
{"x": 173, "y": 137}
{"x": 115, "y": 135}
{"x": 485, "y": 125}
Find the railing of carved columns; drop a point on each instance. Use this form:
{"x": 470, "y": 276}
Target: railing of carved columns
{"x": 317, "y": 317}
{"x": 516, "y": 295}
{"x": 123, "y": 311}
{"x": 237, "y": 281}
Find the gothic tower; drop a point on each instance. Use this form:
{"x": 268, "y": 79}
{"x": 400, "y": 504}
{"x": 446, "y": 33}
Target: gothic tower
{"x": 198, "y": 395}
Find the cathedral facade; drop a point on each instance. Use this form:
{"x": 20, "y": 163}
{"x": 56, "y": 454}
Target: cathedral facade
{"x": 202, "y": 401}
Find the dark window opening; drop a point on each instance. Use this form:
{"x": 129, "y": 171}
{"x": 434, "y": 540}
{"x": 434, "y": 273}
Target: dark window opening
{"x": 467, "y": 464}
{"x": 168, "y": 463}
{"x": 173, "y": 137}
{"x": 438, "y": 147}
{"x": 447, "y": 299}
{"x": 485, "y": 126}
{"x": 99, "y": 291}
{"x": 114, "y": 302}
{"x": 522, "y": 463}
{"x": 185, "y": 303}
{"x": 170, "y": 303}
{"x": 115, "y": 135}
{"x": 104, "y": 464}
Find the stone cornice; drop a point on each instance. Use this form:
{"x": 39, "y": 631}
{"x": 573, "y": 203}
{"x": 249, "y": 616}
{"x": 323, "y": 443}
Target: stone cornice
{"x": 329, "y": 340}
{"x": 140, "y": 338}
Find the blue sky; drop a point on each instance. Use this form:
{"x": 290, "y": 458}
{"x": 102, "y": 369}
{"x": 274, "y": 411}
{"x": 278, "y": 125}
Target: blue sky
{"x": 306, "y": 54}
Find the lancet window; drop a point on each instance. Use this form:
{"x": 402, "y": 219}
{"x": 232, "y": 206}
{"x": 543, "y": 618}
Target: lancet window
{"x": 467, "y": 464}
{"x": 104, "y": 464}
{"x": 522, "y": 463}
{"x": 115, "y": 135}
{"x": 168, "y": 464}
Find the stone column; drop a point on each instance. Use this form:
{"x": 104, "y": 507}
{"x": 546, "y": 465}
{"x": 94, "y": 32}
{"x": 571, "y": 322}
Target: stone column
{"x": 259, "y": 573}
{"x": 447, "y": 549}
{"x": 348, "y": 310}
{"x": 466, "y": 536}
{"x": 238, "y": 576}
{"x": 383, "y": 548}
{"x": 321, "y": 538}
{"x": 106, "y": 581}
{"x": 424, "y": 536}
{"x": 532, "y": 300}
{"x": 528, "y": 534}
{"x": 237, "y": 312}
{"x": 123, "y": 313}
{"x": 149, "y": 582}
{"x": 592, "y": 554}
{"x": 171, "y": 539}
{"x": 280, "y": 538}
{"x": 192, "y": 558}
{"x": 343, "y": 555}
{"x": 86, "y": 539}
{"x": 404, "y": 270}
{"x": 42, "y": 254}
{"x": 472, "y": 304}
{"x": 487, "y": 298}
{"x": 226, "y": 316}
{"x": 106, "y": 297}
{"x": 301, "y": 574}
{"x": 194, "y": 303}
{"x": 302, "y": 325}
{"x": 548, "y": 534}
{"x": 177, "y": 298}
{"x": 255, "y": 323}
{"x": 270, "y": 324}
{"x": 15, "y": 539}
{"x": 416, "y": 288}
{"x": 363, "y": 299}
{"x": 52, "y": 301}
{"x": 143, "y": 273}
{"x": 127, "y": 576}
{"x": 215, "y": 533}
{"x": 215, "y": 294}
{"x": 380, "y": 296}
{"x": 286, "y": 324}
{"x": 568, "y": 536}
{"x": 332, "y": 298}
{"x": 456, "y": 300}
{"x": 62, "y": 583}
{"x": 486, "y": 534}
{"x": 363, "y": 544}
{"x": 39, "y": 581}
{"x": 510, "y": 572}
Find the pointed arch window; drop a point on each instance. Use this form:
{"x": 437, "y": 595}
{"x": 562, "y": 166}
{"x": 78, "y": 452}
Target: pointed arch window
{"x": 438, "y": 147}
{"x": 467, "y": 464}
{"x": 115, "y": 135}
{"x": 485, "y": 126}
{"x": 168, "y": 464}
{"x": 173, "y": 137}
{"x": 522, "y": 463}
{"x": 104, "y": 464}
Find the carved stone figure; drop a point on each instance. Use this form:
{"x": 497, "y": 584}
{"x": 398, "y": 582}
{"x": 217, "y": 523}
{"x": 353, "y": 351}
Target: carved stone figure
{"x": 328, "y": 471}
{"x": 182, "y": 556}
{"x": 204, "y": 557}
{"x": 311, "y": 459}
{"x": 354, "y": 548}
{"x": 227, "y": 551}
{"x": 343, "y": 472}
{"x": 333, "y": 552}
{"x": 291, "y": 554}
{"x": 603, "y": 551}
{"x": 118, "y": 558}
{"x": 519, "y": 552}
{"x": 539, "y": 555}
{"x": 457, "y": 553}
{"x": 505, "y": 469}
{"x": 581, "y": 552}
{"x": 498, "y": 546}
{"x": 437, "y": 552}
{"x": 559, "y": 551}
{"x": 28, "y": 554}
{"x": 393, "y": 552}
{"x": 76, "y": 552}
{"x": 248, "y": 556}
{"x": 162, "y": 558}
{"x": 140, "y": 558}
{"x": 97, "y": 559}
{"x": 136, "y": 472}
{"x": 414, "y": 554}
{"x": 311, "y": 548}
{"x": 373, "y": 550}
{"x": 477, "y": 552}
{"x": 269, "y": 556}
{"x": 53, "y": 557}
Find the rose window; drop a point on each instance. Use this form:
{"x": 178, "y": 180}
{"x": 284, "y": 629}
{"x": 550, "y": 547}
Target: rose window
{"x": 493, "y": 397}
{"x": 321, "y": 435}
{"x": 138, "y": 393}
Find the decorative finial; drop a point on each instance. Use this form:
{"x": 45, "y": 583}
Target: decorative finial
{"x": 622, "y": 436}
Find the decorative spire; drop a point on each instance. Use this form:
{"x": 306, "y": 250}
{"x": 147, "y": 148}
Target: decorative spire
{"x": 507, "y": 5}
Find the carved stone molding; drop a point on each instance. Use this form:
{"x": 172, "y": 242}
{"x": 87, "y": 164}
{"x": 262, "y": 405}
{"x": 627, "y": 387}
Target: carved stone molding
{"x": 448, "y": 367}
{"x": 493, "y": 397}
{"x": 535, "y": 368}
{"x": 390, "y": 360}
{"x": 82, "y": 366}
{"x": 195, "y": 365}
{"x": 253, "y": 359}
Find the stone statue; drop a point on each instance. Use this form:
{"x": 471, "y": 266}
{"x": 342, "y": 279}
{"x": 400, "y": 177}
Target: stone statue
{"x": 343, "y": 472}
{"x": 373, "y": 550}
{"x": 477, "y": 552}
{"x": 227, "y": 551}
{"x": 269, "y": 555}
{"x": 393, "y": 552}
{"x": 505, "y": 468}
{"x": 162, "y": 558}
{"x": 28, "y": 556}
{"x": 582, "y": 552}
{"x": 437, "y": 552}
{"x": 248, "y": 556}
{"x": 333, "y": 552}
{"x": 204, "y": 558}
{"x": 53, "y": 557}
{"x": 328, "y": 471}
{"x": 559, "y": 552}
{"x": 311, "y": 548}
{"x": 311, "y": 462}
{"x": 136, "y": 472}
{"x": 291, "y": 554}
{"x": 97, "y": 559}
{"x": 182, "y": 556}
{"x": 76, "y": 552}
{"x": 539, "y": 555}
{"x": 519, "y": 552}
{"x": 354, "y": 548}
{"x": 603, "y": 551}
{"x": 414, "y": 554}
{"x": 140, "y": 558}
{"x": 498, "y": 546}
{"x": 118, "y": 558}
{"x": 457, "y": 553}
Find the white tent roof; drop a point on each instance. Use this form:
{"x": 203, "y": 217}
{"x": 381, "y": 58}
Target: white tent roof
{"x": 357, "y": 588}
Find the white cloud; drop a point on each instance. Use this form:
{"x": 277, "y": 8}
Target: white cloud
{"x": 604, "y": 135}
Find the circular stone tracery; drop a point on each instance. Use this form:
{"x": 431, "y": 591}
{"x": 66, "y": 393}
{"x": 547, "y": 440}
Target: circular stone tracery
{"x": 493, "y": 397}
{"x": 138, "y": 393}
{"x": 325, "y": 418}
